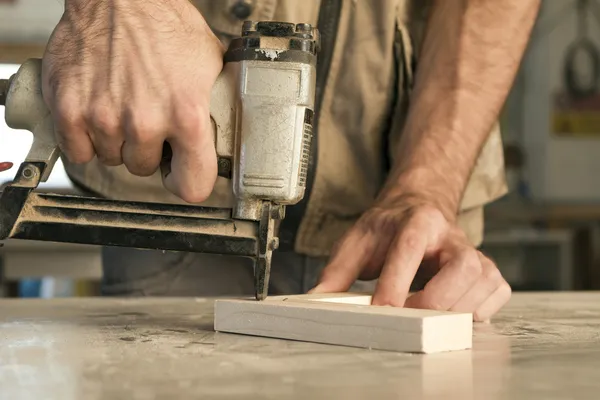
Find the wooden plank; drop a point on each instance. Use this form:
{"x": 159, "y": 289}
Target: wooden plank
{"x": 346, "y": 319}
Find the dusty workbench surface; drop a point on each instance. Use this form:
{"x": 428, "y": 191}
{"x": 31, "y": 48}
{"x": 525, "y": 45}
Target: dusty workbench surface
{"x": 542, "y": 346}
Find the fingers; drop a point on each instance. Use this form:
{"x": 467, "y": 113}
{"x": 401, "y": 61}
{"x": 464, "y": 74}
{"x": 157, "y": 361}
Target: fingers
{"x": 493, "y": 304}
{"x": 71, "y": 130}
{"x": 469, "y": 282}
{"x": 455, "y": 278}
{"x": 145, "y": 137}
{"x": 66, "y": 107}
{"x": 346, "y": 264}
{"x": 487, "y": 283}
{"x": 194, "y": 163}
{"x": 404, "y": 257}
{"x": 136, "y": 138}
{"x": 86, "y": 131}
{"x": 106, "y": 133}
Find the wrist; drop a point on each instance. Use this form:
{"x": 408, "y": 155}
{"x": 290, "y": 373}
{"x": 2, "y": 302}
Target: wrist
{"x": 423, "y": 186}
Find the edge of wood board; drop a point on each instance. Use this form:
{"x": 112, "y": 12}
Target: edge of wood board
{"x": 346, "y": 319}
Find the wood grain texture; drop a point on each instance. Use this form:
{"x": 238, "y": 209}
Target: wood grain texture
{"x": 346, "y": 319}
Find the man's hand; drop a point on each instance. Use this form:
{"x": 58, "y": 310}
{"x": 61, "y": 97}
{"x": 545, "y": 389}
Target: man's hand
{"x": 122, "y": 77}
{"x": 392, "y": 240}
{"x": 468, "y": 60}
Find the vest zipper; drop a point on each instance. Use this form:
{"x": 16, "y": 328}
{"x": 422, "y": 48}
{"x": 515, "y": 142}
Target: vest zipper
{"x": 329, "y": 17}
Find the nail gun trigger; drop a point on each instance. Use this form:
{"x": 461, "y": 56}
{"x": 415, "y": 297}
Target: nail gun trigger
{"x": 5, "y": 166}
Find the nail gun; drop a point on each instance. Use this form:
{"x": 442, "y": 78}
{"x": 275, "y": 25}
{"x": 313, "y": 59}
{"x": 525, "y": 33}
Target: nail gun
{"x": 262, "y": 114}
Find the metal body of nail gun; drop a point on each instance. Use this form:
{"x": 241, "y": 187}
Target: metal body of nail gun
{"x": 262, "y": 112}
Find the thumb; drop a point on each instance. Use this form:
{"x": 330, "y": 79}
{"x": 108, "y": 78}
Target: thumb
{"x": 346, "y": 263}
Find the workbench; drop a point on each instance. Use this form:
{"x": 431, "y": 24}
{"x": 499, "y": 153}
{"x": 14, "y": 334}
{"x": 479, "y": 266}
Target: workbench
{"x": 541, "y": 346}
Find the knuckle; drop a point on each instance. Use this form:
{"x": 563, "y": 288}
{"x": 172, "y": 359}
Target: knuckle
{"x": 140, "y": 134}
{"x": 75, "y": 154}
{"x": 430, "y": 215}
{"x": 67, "y": 112}
{"x": 500, "y": 297}
{"x": 493, "y": 274}
{"x": 410, "y": 240}
{"x": 144, "y": 127}
{"x": 470, "y": 262}
{"x": 104, "y": 121}
{"x": 504, "y": 291}
{"x": 192, "y": 118}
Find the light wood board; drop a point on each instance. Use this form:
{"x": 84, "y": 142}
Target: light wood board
{"x": 346, "y": 319}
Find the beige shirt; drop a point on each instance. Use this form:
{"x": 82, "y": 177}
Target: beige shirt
{"x": 363, "y": 108}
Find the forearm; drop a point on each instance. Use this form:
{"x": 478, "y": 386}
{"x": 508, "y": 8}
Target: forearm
{"x": 470, "y": 55}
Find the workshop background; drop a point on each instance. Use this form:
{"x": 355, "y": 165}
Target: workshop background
{"x": 544, "y": 235}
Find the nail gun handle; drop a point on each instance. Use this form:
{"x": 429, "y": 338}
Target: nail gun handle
{"x": 25, "y": 109}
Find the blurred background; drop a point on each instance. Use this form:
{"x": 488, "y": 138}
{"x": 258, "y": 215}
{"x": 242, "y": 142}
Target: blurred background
{"x": 544, "y": 235}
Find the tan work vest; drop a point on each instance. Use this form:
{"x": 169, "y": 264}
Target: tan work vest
{"x": 362, "y": 113}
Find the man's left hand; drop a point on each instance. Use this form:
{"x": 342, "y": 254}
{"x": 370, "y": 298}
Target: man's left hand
{"x": 393, "y": 239}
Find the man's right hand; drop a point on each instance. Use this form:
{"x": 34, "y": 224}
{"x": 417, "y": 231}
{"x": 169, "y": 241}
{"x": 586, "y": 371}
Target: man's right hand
{"x": 123, "y": 77}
